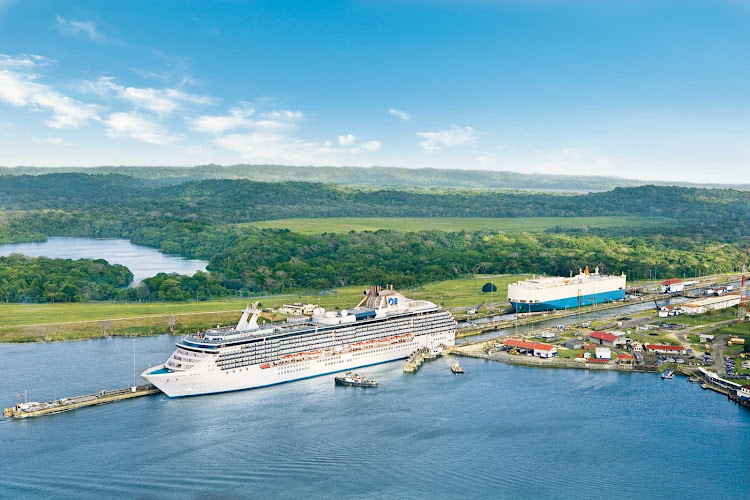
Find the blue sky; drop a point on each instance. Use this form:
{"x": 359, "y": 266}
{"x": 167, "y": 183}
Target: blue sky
{"x": 653, "y": 90}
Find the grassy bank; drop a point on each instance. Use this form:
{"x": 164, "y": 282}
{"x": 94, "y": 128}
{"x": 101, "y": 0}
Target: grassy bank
{"x": 72, "y": 321}
{"x": 346, "y": 224}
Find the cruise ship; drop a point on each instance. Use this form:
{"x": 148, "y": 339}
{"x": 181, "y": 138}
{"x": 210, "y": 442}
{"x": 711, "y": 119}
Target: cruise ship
{"x": 557, "y": 293}
{"x": 384, "y": 326}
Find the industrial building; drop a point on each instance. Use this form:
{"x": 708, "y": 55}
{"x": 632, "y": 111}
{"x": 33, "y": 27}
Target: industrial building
{"x": 672, "y": 285}
{"x": 574, "y": 344}
{"x": 603, "y": 338}
{"x": 537, "y": 349}
{"x": 665, "y": 349}
{"x": 711, "y": 303}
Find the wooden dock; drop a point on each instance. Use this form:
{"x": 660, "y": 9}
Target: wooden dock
{"x": 32, "y": 409}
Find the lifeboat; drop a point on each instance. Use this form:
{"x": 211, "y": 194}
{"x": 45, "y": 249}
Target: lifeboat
{"x": 315, "y": 354}
{"x": 370, "y": 341}
{"x": 267, "y": 365}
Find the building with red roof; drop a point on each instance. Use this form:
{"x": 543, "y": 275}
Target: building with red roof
{"x": 603, "y": 338}
{"x": 536, "y": 348}
{"x": 672, "y": 285}
{"x": 601, "y": 361}
{"x": 625, "y": 359}
{"x": 664, "y": 349}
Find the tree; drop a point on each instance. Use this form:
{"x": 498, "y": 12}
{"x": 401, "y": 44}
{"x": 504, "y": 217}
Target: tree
{"x": 104, "y": 326}
{"x": 489, "y": 287}
{"x": 171, "y": 322}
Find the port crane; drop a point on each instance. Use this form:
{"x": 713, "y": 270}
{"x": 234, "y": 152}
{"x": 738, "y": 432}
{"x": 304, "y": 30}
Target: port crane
{"x": 473, "y": 310}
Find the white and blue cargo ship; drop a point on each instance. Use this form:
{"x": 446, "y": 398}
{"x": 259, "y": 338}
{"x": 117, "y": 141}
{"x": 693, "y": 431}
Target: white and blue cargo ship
{"x": 558, "y": 293}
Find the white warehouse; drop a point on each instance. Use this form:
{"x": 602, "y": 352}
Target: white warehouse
{"x": 711, "y": 303}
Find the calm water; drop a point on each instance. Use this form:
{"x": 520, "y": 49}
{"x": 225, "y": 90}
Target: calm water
{"x": 497, "y": 432}
{"x": 142, "y": 261}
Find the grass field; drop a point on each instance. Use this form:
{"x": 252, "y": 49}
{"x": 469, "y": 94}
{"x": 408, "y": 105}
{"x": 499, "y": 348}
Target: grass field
{"x": 346, "y": 224}
{"x": 33, "y": 322}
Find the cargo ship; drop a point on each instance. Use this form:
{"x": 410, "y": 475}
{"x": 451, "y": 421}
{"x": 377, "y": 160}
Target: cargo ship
{"x": 559, "y": 293}
{"x": 384, "y": 326}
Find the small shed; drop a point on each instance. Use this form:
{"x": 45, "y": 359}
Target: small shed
{"x": 573, "y": 344}
{"x": 603, "y": 353}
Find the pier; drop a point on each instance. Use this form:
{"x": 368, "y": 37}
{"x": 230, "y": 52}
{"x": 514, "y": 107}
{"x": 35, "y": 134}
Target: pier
{"x": 33, "y": 409}
{"x": 415, "y": 361}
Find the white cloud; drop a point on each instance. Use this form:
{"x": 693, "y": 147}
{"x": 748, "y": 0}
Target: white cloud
{"x": 371, "y": 145}
{"x": 272, "y": 124}
{"x": 137, "y": 126}
{"x": 270, "y": 121}
{"x": 454, "y": 136}
{"x": 24, "y": 62}
{"x": 403, "y": 115}
{"x": 346, "y": 140}
{"x": 271, "y": 147}
{"x": 162, "y": 101}
{"x": 282, "y": 115}
{"x": 213, "y": 124}
{"x": 18, "y": 88}
{"x": 77, "y": 28}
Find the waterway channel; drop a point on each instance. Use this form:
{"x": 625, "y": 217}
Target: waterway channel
{"x": 498, "y": 431}
{"x": 142, "y": 261}
{"x": 587, "y": 314}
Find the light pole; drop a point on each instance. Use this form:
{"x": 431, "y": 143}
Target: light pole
{"x": 134, "y": 364}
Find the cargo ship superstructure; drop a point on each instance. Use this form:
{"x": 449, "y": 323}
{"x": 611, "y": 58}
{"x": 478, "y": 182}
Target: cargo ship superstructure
{"x": 559, "y": 293}
{"x": 384, "y": 326}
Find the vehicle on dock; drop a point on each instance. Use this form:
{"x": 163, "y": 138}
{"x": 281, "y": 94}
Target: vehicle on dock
{"x": 351, "y": 379}
{"x": 456, "y": 368}
{"x": 36, "y": 409}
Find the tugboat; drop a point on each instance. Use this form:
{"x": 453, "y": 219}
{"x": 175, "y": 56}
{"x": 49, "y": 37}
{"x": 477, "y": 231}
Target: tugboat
{"x": 354, "y": 380}
{"x": 456, "y": 368}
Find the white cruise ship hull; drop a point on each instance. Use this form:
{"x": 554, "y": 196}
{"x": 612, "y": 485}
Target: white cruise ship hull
{"x": 206, "y": 378}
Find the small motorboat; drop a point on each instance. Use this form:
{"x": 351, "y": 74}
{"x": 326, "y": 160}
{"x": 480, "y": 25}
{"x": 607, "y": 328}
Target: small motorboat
{"x": 456, "y": 368}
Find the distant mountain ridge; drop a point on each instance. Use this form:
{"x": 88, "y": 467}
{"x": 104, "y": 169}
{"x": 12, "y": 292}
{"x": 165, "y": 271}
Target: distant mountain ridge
{"x": 371, "y": 176}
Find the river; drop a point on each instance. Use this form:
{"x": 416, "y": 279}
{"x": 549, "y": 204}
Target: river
{"x": 498, "y": 431}
{"x": 143, "y": 262}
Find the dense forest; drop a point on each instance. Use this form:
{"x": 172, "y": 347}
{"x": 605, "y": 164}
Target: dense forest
{"x": 706, "y": 232}
{"x": 39, "y": 279}
{"x": 361, "y": 176}
{"x": 88, "y": 200}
